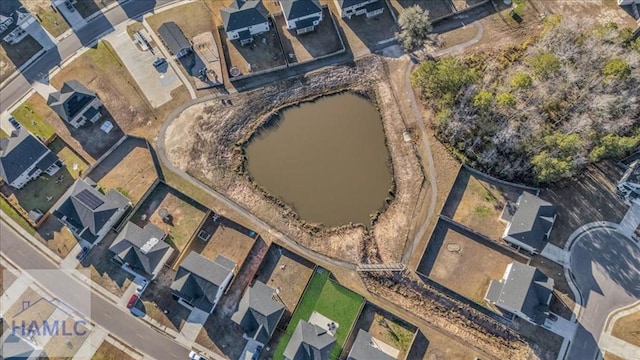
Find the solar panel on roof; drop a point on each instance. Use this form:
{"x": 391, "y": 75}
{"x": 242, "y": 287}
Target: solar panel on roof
{"x": 89, "y": 199}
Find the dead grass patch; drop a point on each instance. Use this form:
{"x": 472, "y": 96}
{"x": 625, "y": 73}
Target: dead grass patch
{"x": 627, "y": 328}
{"x": 57, "y": 237}
{"x": 108, "y": 351}
{"x": 192, "y": 18}
{"x": 132, "y": 176}
{"x": 263, "y": 54}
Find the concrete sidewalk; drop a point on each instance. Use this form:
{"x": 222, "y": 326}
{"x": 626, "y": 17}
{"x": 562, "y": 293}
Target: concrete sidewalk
{"x": 618, "y": 347}
{"x": 555, "y": 254}
{"x": 91, "y": 344}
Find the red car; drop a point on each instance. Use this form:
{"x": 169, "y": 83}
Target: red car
{"x": 132, "y": 301}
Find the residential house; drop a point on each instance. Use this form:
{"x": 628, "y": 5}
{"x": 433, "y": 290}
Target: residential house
{"x": 259, "y": 312}
{"x": 629, "y": 185}
{"x": 301, "y": 15}
{"x": 367, "y": 347}
{"x": 628, "y": 2}
{"x": 244, "y": 19}
{"x": 523, "y": 291}
{"x": 88, "y": 213}
{"x": 309, "y": 342}
{"x": 23, "y": 158}
{"x": 200, "y": 282}
{"x": 175, "y": 40}
{"x": 75, "y": 104}
{"x": 349, "y": 8}
{"x": 141, "y": 251}
{"x": 529, "y": 222}
{"x": 14, "y": 21}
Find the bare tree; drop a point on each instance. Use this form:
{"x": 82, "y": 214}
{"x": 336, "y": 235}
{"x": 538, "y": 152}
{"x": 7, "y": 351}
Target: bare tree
{"x": 414, "y": 27}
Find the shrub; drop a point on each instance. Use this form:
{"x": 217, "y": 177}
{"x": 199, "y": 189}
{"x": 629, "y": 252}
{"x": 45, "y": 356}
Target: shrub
{"x": 616, "y": 68}
{"x": 549, "y": 169}
{"x": 414, "y": 27}
{"x": 506, "y": 99}
{"x": 564, "y": 144}
{"x": 614, "y": 146}
{"x": 544, "y": 65}
{"x": 521, "y": 81}
{"x": 483, "y": 99}
{"x": 446, "y": 77}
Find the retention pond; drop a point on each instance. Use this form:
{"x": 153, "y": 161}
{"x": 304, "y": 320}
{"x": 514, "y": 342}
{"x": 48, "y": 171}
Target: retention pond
{"x": 327, "y": 159}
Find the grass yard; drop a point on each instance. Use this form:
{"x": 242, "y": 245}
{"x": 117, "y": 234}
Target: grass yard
{"x": 185, "y": 214}
{"x": 330, "y": 299}
{"x": 13, "y": 214}
{"x": 13, "y": 56}
{"x": 193, "y": 18}
{"x": 3, "y": 134}
{"x": 227, "y": 239}
{"x": 104, "y": 271}
{"x": 56, "y": 237}
{"x": 49, "y": 18}
{"x": 108, "y": 351}
{"x": 627, "y": 328}
{"x": 29, "y": 115}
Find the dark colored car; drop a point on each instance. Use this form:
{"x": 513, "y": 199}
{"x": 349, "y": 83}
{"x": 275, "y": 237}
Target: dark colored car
{"x": 132, "y": 301}
{"x": 159, "y": 61}
{"x": 82, "y": 253}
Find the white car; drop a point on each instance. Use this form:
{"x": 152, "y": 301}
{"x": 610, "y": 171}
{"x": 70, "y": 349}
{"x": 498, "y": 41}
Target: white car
{"x": 142, "y": 286}
{"x": 195, "y": 356}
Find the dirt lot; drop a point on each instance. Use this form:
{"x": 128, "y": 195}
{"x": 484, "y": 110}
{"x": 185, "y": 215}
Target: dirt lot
{"x": 562, "y": 303}
{"x": 49, "y": 18}
{"x": 462, "y": 264}
{"x": 221, "y": 127}
{"x": 227, "y": 239}
{"x": 457, "y": 36}
{"x": 590, "y": 197}
{"x": 12, "y": 56}
{"x": 257, "y": 56}
{"x": 108, "y": 351}
{"x": 56, "y": 237}
{"x": 322, "y": 41}
{"x": 193, "y": 18}
{"x": 628, "y": 328}
{"x": 184, "y": 214}
{"x": 104, "y": 271}
{"x": 128, "y": 169}
{"x": 37, "y": 305}
{"x": 158, "y": 303}
{"x": 385, "y": 327}
{"x": 436, "y": 8}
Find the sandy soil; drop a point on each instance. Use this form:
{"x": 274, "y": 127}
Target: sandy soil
{"x": 206, "y": 140}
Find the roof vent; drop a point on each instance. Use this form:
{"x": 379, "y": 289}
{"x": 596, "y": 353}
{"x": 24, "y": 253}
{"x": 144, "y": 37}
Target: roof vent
{"x": 149, "y": 245}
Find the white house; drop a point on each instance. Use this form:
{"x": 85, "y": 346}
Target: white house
{"x": 14, "y": 24}
{"x": 529, "y": 222}
{"x": 629, "y": 185}
{"x": 349, "y": 8}
{"x": 301, "y": 15}
{"x": 23, "y": 158}
{"x": 244, "y": 19}
{"x": 200, "y": 282}
{"x": 75, "y": 104}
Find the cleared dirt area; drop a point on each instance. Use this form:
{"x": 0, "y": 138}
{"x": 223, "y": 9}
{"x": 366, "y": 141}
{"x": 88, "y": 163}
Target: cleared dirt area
{"x": 65, "y": 344}
{"x": 457, "y": 36}
{"x": 462, "y": 264}
{"x": 610, "y": 356}
{"x": 28, "y": 307}
{"x": 264, "y": 53}
{"x": 103, "y": 269}
{"x": 600, "y": 11}
{"x": 108, "y": 351}
{"x": 193, "y": 18}
{"x": 13, "y": 56}
{"x": 324, "y": 40}
{"x": 222, "y": 130}
{"x": 627, "y": 328}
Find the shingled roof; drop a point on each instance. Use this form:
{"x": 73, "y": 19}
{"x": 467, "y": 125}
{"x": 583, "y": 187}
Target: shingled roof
{"x": 242, "y": 14}
{"x": 532, "y": 220}
{"x": 309, "y": 342}
{"x": 142, "y": 248}
{"x": 365, "y": 348}
{"x": 20, "y": 151}
{"x": 258, "y": 312}
{"x": 71, "y": 100}
{"x": 294, "y": 9}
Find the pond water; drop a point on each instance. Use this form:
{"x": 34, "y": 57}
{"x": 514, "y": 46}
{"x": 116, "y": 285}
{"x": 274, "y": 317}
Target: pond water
{"x": 327, "y": 159}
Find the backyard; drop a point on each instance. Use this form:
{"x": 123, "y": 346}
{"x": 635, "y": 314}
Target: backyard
{"x": 104, "y": 270}
{"x": 263, "y": 54}
{"x": 627, "y": 328}
{"x": 184, "y": 214}
{"x": 330, "y": 299}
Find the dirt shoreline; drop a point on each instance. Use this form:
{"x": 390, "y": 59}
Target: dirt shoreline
{"x": 207, "y": 139}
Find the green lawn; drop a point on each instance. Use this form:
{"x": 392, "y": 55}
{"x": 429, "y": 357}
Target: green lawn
{"x": 33, "y": 121}
{"x": 12, "y": 213}
{"x": 329, "y": 299}
{"x": 3, "y": 134}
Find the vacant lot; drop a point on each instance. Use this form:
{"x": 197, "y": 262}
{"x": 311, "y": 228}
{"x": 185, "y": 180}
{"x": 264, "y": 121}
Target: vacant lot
{"x": 158, "y": 303}
{"x": 65, "y": 344}
{"x": 226, "y": 238}
{"x": 43, "y": 192}
{"x": 385, "y": 327}
{"x": 13, "y": 56}
{"x": 589, "y": 197}
{"x": 108, "y": 351}
{"x": 129, "y": 169}
{"x": 462, "y": 264}
{"x": 322, "y": 41}
{"x": 330, "y": 299}
{"x": 183, "y": 214}
{"x": 35, "y": 116}
{"x": 193, "y": 18}
{"x": 104, "y": 270}
{"x": 436, "y": 8}
{"x": 56, "y": 237}
{"x": 627, "y": 328}
{"x": 47, "y": 16}
{"x": 36, "y": 308}
{"x": 263, "y": 54}
{"x": 366, "y": 34}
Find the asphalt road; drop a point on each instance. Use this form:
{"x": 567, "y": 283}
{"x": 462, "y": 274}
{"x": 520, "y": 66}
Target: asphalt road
{"x": 115, "y": 320}
{"x": 606, "y": 268}
{"x": 69, "y": 46}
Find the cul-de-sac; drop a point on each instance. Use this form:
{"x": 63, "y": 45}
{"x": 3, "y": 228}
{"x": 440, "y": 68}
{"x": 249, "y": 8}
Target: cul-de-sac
{"x": 320, "y": 179}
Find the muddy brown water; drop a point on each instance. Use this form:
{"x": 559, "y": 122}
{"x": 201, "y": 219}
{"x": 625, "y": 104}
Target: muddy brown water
{"x": 327, "y": 159}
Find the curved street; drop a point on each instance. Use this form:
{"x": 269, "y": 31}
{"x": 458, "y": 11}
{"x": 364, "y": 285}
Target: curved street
{"x": 606, "y": 270}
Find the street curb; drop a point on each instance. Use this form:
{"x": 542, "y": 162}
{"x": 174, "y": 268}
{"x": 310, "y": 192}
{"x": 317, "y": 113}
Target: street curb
{"x": 618, "y": 313}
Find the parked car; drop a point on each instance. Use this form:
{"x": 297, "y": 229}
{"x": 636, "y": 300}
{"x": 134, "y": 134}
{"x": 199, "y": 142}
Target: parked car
{"x": 159, "y": 61}
{"x": 195, "y": 356}
{"x": 552, "y": 317}
{"x": 82, "y": 253}
{"x": 16, "y": 125}
{"x": 132, "y": 301}
{"x": 142, "y": 287}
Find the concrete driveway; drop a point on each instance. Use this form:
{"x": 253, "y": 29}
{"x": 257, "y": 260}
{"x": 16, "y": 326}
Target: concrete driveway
{"x": 606, "y": 268}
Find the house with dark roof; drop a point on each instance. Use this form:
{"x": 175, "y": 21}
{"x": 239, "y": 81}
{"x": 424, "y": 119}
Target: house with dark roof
{"x": 259, "y": 312}
{"x": 523, "y": 291}
{"x": 628, "y": 187}
{"x": 175, "y": 40}
{"x": 23, "y": 158}
{"x": 529, "y": 222}
{"x": 349, "y": 8}
{"x": 88, "y": 213}
{"x": 14, "y": 21}
{"x": 301, "y": 15}
{"x": 142, "y": 252}
{"x": 309, "y": 342}
{"x": 244, "y": 19}
{"x": 200, "y": 282}
{"x": 75, "y": 104}
{"x": 367, "y": 347}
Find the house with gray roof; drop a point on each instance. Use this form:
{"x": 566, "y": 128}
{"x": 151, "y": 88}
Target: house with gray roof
{"x": 15, "y": 20}
{"x": 200, "y": 282}
{"x": 628, "y": 187}
{"x": 523, "y": 291}
{"x": 175, "y": 40}
{"x": 301, "y": 15}
{"x": 142, "y": 252}
{"x": 88, "y": 213}
{"x": 23, "y": 158}
{"x": 75, "y": 104}
{"x": 259, "y": 312}
{"x": 349, "y": 8}
{"x": 367, "y": 347}
{"x": 309, "y": 342}
{"x": 244, "y": 19}
{"x": 529, "y": 222}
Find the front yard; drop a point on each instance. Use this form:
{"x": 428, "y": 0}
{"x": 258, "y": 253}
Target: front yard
{"x": 56, "y": 237}
{"x": 159, "y": 305}
{"x": 13, "y": 56}
{"x": 35, "y": 115}
{"x": 108, "y": 351}
{"x": 47, "y": 16}
{"x": 104, "y": 270}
